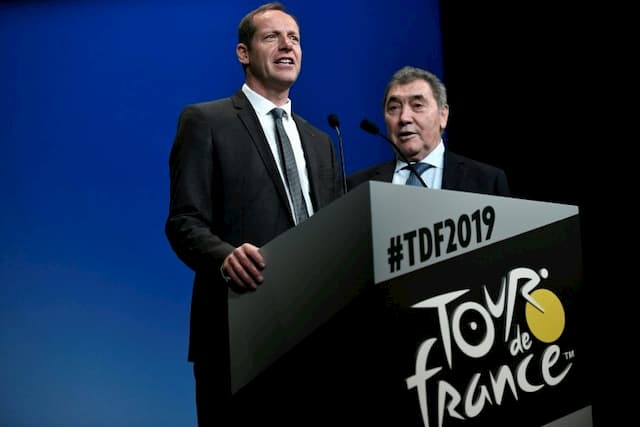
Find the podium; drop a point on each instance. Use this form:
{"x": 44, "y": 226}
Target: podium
{"x": 400, "y": 305}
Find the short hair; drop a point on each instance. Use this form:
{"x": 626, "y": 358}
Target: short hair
{"x": 247, "y": 28}
{"x": 408, "y": 74}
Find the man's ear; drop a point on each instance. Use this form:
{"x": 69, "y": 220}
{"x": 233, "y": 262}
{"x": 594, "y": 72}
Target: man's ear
{"x": 444, "y": 117}
{"x": 242, "y": 52}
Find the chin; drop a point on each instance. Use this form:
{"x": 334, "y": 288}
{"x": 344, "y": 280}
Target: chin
{"x": 413, "y": 155}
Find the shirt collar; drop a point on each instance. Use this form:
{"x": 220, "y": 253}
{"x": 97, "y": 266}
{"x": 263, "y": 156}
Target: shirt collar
{"x": 261, "y": 104}
{"x": 434, "y": 158}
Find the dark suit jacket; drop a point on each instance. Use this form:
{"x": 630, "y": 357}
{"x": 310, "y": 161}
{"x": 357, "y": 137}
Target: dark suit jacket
{"x": 460, "y": 174}
{"x": 226, "y": 190}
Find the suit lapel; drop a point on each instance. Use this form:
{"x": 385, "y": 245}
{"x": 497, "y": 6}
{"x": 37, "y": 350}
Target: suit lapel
{"x": 386, "y": 171}
{"x": 248, "y": 117}
{"x": 454, "y": 172}
{"x": 311, "y": 155}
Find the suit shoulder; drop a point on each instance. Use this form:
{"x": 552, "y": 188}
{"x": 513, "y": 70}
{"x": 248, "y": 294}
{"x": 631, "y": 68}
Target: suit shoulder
{"x": 307, "y": 126}
{"x": 369, "y": 170}
{"x": 474, "y": 164}
{"x": 208, "y": 113}
{"x": 207, "y": 108}
{"x": 378, "y": 171}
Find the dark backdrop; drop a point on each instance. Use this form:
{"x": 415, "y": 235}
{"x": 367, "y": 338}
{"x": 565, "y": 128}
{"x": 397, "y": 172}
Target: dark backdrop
{"x": 531, "y": 89}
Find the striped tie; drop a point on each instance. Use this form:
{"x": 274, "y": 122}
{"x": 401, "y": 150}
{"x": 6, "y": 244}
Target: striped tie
{"x": 290, "y": 168}
{"x": 420, "y": 168}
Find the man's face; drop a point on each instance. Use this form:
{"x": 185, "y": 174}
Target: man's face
{"x": 413, "y": 120}
{"x": 275, "y": 55}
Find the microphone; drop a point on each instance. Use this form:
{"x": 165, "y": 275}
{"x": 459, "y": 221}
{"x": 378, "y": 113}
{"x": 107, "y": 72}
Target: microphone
{"x": 335, "y": 124}
{"x": 372, "y": 128}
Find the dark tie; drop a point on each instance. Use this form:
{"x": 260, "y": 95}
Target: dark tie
{"x": 290, "y": 168}
{"x": 420, "y": 168}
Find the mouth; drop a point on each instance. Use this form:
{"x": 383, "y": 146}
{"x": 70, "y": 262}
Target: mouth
{"x": 284, "y": 61}
{"x": 405, "y": 136}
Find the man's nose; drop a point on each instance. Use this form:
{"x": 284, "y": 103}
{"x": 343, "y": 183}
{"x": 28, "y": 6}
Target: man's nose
{"x": 405, "y": 115}
{"x": 286, "y": 43}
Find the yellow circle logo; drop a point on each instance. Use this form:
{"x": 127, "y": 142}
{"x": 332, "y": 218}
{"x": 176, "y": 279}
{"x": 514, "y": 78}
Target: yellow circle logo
{"x": 546, "y": 322}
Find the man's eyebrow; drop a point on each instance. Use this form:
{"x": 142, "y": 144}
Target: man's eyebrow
{"x": 410, "y": 97}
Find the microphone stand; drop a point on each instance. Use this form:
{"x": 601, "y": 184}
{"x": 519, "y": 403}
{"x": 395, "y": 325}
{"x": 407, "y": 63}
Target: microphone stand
{"x": 372, "y": 128}
{"x": 335, "y": 124}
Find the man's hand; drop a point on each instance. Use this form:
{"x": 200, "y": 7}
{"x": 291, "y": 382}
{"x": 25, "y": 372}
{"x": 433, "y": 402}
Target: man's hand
{"x": 244, "y": 267}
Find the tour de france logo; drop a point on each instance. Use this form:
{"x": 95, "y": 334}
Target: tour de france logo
{"x": 529, "y": 368}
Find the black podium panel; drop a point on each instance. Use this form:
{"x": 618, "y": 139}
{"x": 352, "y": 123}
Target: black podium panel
{"x": 407, "y": 306}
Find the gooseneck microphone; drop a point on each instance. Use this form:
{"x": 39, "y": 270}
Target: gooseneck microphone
{"x": 372, "y": 128}
{"x": 335, "y": 124}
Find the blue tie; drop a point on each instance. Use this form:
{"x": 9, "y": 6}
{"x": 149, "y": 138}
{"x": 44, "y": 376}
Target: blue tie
{"x": 420, "y": 168}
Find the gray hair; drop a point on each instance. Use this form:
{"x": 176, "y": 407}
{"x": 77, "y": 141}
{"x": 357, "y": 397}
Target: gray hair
{"x": 408, "y": 74}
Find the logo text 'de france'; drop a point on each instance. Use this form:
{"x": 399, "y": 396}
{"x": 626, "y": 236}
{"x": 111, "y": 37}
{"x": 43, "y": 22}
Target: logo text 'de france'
{"x": 533, "y": 367}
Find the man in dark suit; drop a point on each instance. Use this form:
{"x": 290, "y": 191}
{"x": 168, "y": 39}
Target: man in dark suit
{"x": 230, "y": 190}
{"x": 415, "y": 113}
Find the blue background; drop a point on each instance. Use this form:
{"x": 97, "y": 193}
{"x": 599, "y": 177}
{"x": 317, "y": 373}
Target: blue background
{"x": 94, "y": 305}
